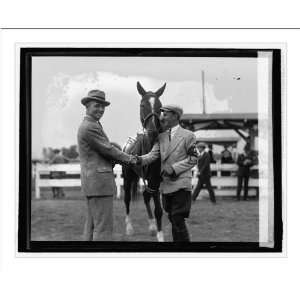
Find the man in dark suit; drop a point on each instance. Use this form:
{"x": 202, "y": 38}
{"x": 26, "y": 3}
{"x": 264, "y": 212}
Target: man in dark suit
{"x": 244, "y": 161}
{"x": 203, "y": 164}
{"x": 226, "y": 158}
{"x": 174, "y": 147}
{"x": 212, "y": 158}
{"x": 97, "y": 157}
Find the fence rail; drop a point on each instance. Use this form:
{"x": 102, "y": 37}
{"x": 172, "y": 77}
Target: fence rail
{"x": 224, "y": 184}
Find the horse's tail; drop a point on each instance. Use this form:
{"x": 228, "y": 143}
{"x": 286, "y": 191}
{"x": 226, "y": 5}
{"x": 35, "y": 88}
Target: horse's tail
{"x": 130, "y": 179}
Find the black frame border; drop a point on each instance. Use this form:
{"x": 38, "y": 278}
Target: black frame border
{"x": 24, "y": 213}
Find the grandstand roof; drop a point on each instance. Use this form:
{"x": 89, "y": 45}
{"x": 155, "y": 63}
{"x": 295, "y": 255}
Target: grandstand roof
{"x": 219, "y": 121}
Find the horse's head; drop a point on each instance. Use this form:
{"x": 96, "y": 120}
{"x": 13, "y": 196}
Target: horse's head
{"x": 150, "y": 109}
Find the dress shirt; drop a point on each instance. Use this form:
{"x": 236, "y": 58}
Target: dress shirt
{"x": 173, "y": 130}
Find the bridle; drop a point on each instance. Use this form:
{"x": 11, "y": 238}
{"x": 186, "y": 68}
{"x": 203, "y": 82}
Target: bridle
{"x": 150, "y": 115}
{"x": 144, "y": 121}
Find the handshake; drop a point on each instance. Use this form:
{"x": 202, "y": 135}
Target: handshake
{"x": 135, "y": 160}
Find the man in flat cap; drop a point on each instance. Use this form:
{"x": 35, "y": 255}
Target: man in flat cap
{"x": 97, "y": 158}
{"x": 174, "y": 148}
{"x": 204, "y": 175}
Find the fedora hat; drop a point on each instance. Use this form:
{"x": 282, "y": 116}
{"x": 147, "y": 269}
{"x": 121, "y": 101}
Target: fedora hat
{"x": 95, "y": 95}
{"x": 173, "y": 108}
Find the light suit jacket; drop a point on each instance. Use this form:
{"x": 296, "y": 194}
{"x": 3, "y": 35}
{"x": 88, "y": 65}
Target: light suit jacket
{"x": 174, "y": 153}
{"x": 97, "y": 157}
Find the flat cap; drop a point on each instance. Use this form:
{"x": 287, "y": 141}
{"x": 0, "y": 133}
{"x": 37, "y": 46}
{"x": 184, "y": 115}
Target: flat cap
{"x": 173, "y": 108}
{"x": 95, "y": 95}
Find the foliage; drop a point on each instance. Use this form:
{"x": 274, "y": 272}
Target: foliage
{"x": 68, "y": 152}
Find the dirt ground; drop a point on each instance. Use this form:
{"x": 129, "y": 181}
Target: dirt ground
{"x": 63, "y": 219}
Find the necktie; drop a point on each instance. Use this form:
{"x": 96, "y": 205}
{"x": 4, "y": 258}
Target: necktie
{"x": 170, "y": 135}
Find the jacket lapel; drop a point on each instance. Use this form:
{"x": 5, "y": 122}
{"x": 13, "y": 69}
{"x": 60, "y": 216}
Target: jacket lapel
{"x": 173, "y": 144}
{"x": 102, "y": 131}
{"x": 89, "y": 118}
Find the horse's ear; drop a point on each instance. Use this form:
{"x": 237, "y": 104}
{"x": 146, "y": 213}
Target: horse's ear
{"x": 160, "y": 91}
{"x": 140, "y": 89}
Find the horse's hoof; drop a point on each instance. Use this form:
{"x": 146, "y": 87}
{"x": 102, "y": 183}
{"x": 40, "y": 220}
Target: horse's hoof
{"x": 160, "y": 236}
{"x": 152, "y": 227}
{"x": 129, "y": 227}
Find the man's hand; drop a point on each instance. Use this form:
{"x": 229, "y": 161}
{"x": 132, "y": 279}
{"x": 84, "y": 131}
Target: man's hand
{"x": 247, "y": 162}
{"x": 132, "y": 160}
{"x": 135, "y": 160}
{"x": 139, "y": 160}
{"x": 168, "y": 171}
{"x": 193, "y": 151}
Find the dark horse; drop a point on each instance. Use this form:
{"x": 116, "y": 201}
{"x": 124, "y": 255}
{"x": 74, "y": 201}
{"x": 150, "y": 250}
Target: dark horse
{"x": 150, "y": 118}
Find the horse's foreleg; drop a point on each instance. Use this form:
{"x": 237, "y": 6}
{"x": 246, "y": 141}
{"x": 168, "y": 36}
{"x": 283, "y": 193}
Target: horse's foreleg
{"x": 158, "y": 216}
{"x": 147, "y": 198}
{"x": 152, "y": 226}
{"x": 127, "y": 199}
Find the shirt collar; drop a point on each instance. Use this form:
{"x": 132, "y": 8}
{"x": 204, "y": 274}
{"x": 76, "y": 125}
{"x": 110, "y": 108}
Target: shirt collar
{"x": 174, "y": 129}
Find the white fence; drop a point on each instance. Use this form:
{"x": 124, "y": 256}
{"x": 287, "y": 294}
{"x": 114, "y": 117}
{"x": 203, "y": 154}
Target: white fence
{"x": 225, "y": 184}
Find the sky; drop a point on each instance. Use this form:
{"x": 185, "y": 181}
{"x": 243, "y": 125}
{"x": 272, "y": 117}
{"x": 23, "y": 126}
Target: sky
{"x": 59, "y": 83}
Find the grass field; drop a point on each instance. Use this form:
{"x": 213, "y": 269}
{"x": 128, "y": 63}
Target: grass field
{"x": 228, "y": 221}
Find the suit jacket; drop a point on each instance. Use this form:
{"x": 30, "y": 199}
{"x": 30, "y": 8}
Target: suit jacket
{"x": 244, "y": 170}
{"x": 174, "y": 154}
{"x": 204, "y": 165}
{"x": 97, "y": 157}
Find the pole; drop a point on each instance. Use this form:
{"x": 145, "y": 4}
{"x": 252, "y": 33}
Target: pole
{"x": 37, "y": 181}
{"x": 203, "y": 93}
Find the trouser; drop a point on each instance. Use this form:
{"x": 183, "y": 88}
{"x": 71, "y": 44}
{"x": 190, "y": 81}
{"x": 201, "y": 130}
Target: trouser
{"x": 58, "y": 192}
{"x": 178, "y": 205}
{"x": 201, "y": 182}
{"x": 241, "y": 180}
{"x": 99, "y": 219}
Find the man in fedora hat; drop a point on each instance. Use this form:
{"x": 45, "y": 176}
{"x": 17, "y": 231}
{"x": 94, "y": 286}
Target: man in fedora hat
{"x": 97, "y": 158}
{"x": 174, "y": 148}
{"x": 204, "y": 175}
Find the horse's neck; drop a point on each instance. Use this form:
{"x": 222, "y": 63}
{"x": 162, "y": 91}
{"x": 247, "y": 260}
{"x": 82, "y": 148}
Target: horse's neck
{"x": 146, "y": 143}
{"x": 143, "y": 144}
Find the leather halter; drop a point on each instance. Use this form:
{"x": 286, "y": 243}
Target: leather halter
{"x": 152, "y": 114}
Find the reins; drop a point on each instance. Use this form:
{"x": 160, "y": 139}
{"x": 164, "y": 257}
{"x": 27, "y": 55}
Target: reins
{"x": 147, "y": 188}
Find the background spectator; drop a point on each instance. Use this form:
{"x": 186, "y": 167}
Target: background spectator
{"x": 203, "y": 164}
{"x": 226, "y": 158}
{"x": 58, "y": 158}
{"x": 244, "y": 161}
